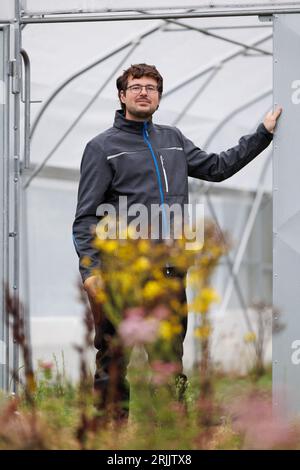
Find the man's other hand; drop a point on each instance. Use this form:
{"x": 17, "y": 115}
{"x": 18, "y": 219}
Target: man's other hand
{"x": 92, "y": 284}
{"x": 271, "y": 119}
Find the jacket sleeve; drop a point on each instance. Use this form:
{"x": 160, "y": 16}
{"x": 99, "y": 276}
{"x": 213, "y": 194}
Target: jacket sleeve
{"x": 95, "y": 178}
{"x": 218, "y": 167}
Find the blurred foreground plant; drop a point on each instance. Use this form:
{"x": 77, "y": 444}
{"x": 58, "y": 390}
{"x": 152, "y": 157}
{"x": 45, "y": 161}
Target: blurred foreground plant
{"x": 144, "y": 307}
{"x": 56, "y": 423}
{"x": 267, "y": 322}
{"x": 216, "y": 244}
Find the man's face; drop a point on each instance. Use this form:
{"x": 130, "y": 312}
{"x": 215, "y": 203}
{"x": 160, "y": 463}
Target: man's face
{"x": 140, "y": 106}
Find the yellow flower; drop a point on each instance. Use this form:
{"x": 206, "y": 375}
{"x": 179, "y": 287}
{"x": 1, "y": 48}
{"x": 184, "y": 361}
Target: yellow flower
{"x": 157, "y": 273}
{"x": 250, "y": 337}
{"x": 85, "y": 261}
{"x": 126, "y": 253}
{"x": 210, "y": 295}
{"x": 167, "y": 330}
{"x": 215, "y": 251}
{"x": 141, "y": 264}
{"x": 101, "y": 297}
{"x": 176, "y": 329}
{"x": 204, "y": 299}
{"x": 195, "y": 278}
{"x": 110, "y": 246}
{"x": 121, "y": 282}
{"x": 127, "y": 282}
{"x": 152, "y": 289}
{"x": 98, "y": 243}
{"x": 144, "y": 246}
{"x": 203, "y": 332}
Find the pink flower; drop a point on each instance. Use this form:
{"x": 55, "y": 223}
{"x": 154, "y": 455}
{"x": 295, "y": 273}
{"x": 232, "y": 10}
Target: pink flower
{"x": 45, "y": 365}
{"x": 136, "y": 330}
{"x": 163, "y": 371}
{"x": 253, "y": 417}
{"x": 135, "y": 312}
{"x": 161, "y": 312}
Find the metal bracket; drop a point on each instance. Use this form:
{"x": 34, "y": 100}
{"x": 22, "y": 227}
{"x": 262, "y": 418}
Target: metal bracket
{"x": 265, "y": 18}
{"x": 12, "y": 65}
{"x": 13, "y": 73}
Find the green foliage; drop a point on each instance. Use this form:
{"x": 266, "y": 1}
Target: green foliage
{"x": 157, "y": 420}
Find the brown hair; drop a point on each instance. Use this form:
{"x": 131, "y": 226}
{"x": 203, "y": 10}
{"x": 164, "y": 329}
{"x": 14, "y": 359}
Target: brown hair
{"x": 138, "y": 71}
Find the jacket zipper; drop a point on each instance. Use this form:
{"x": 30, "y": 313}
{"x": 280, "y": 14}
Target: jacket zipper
{"x": 165, "y": 173}
{"x": 161, "y": 192}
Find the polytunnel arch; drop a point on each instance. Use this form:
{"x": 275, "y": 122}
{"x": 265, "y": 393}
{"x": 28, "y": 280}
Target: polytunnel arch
{"x": 220, "y": 10}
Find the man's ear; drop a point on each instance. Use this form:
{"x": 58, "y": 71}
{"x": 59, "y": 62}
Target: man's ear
{"x": 122, "y": 96}
{"x": 158, "y": 104}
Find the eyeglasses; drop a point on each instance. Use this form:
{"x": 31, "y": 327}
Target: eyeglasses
{"x": 137, "y": 89}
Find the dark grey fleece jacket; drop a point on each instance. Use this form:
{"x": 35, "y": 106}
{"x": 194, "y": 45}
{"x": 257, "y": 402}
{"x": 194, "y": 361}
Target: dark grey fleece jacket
{"x": 149, "y": 164}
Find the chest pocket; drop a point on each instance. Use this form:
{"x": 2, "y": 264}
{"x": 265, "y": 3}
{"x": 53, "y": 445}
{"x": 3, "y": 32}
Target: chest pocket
{"x": 133, "y": 171}
{"x": 174, "y": 168}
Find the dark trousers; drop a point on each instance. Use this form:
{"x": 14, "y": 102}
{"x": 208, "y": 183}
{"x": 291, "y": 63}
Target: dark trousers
{"x": 110, "y": 384}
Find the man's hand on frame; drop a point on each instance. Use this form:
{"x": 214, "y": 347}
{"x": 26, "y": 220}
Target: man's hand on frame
{"x": 271, "y": 119}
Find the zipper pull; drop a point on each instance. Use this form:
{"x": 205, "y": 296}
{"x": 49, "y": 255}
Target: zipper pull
{"x": 165, "y": 173}
{"x": 145, "y": 129}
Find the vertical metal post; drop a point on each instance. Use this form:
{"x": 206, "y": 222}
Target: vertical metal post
{"x": 5, "y": 139}
{"x": 286, "y": 216}
{"x": 2, "y": 206}
{"x": 16, "y": 181}
{"x": 4, "y": 202}
{"x": 6, "y": 187}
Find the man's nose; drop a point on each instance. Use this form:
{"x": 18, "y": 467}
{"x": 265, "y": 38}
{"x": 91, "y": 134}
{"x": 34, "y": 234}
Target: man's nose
{"x": 144, "y": 91}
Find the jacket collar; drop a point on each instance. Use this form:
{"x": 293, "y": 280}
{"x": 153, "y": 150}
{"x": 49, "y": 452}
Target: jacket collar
{"x": 135, "y": 127}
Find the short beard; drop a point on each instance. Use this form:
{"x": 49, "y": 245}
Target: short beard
{"x": 141, "y": 114}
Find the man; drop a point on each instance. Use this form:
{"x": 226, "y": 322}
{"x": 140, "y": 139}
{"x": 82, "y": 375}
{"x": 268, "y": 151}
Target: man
{"x": 149, "y": 164}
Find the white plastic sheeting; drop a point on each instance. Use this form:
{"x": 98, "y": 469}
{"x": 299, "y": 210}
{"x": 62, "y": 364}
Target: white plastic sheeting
{"x": 57, "y": 51}
{"x": 7, "y": 10}
{"x": 54, "y": 6}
